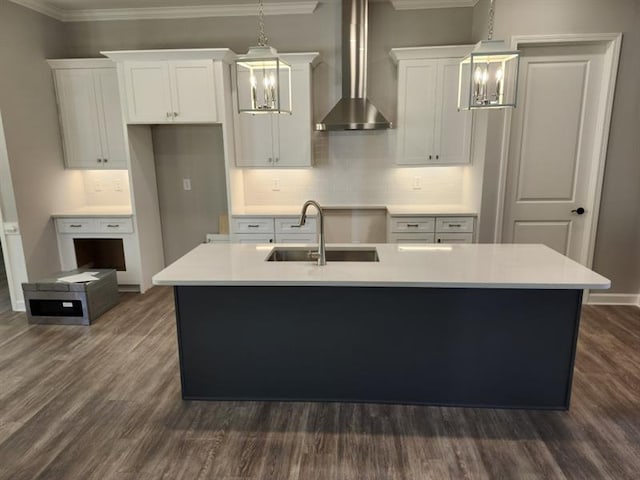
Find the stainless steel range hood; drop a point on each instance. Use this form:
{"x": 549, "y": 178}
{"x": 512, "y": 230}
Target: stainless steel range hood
{"x": 354, "y": 111}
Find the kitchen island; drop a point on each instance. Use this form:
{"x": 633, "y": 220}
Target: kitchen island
{"x": 465, "y": 325}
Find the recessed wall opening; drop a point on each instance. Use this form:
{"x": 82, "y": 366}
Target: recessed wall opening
{"x": 100, "y": 253}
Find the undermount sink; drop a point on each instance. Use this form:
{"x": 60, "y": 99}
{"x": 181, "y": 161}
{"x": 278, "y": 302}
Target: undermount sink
{"x": 333, "y": 255}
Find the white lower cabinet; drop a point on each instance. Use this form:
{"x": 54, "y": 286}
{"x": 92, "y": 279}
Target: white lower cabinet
{"x": 100, "y": 242}
{"x": 454, "y": 238}
{"x": 430, "y": 229}
{"x": 258, "y": 230}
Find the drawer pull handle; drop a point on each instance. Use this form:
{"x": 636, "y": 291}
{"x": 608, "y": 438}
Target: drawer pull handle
{"x": 253, "y": 226}
{"x": 75, "y": 226}
{"x": 113, "y": 226}
{"x": 414, "y": 225}
{"x": 458, "y": 225}
{"x": 295, "y": 226}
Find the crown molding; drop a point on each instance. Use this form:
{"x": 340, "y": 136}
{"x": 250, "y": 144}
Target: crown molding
{"x": 425, "y": 4}
{"x": 42, "y": 7}
{"x": 221, "y": 54}
{"x": 423, "y": 53}
{"x": 164, "y": 13}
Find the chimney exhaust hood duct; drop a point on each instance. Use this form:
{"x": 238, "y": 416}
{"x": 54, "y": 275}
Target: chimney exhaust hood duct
{"x": 354, "y": 111}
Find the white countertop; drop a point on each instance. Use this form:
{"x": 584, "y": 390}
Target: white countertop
{"x": 448, "y": 266}
{"x": 96, "y": 211}
{"x": 294, "y": 210}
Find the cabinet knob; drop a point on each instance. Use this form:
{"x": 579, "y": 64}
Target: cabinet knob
{"x": 437, "y": 157}
{"x": 168, "y": 114}
{"x": 277, "y": 159}
{"x": 99, "y": 160}
{"x": 430, "y": 157}
{"x": 270, "y": 159}
{"x": 175, "y": 114}
{"x": 105, "y": 160}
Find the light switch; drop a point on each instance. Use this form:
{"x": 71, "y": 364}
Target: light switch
{"x": 417, "y": 183}
{"x": 186, "y": 184}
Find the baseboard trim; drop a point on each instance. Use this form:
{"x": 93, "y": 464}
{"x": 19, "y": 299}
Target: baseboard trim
{"x": 631, "y": 299}
{"x": 20, "y": 306}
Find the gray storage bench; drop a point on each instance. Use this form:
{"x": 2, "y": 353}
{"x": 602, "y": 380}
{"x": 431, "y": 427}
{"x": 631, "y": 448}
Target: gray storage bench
{"x": 52, "y": 302}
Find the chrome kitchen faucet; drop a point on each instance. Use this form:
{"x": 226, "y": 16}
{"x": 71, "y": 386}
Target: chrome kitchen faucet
{"x": 321, "y": 253}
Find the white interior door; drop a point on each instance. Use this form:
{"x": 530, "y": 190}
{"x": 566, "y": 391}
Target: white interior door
{"x": 553, "y": 157}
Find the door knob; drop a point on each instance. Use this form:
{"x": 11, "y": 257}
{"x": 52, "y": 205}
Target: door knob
{"x": 578, "y": 211}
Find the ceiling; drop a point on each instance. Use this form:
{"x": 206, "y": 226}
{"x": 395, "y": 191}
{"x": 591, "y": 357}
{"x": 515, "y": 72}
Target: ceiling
{"x": 92, "y": 10}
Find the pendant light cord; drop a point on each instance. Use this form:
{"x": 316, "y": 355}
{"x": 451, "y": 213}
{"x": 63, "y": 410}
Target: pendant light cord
{"x": 492, "y": 14}
{"x": 262, "y": 37}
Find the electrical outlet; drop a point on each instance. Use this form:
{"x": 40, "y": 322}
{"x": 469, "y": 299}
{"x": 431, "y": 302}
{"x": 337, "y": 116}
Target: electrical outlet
{"x": 275, "y": 185}
{"x": 417, "y": 183}
{"x": 186, "y": 184}
{"x": 117, "y": 186}
{"x": 97, "y": 186}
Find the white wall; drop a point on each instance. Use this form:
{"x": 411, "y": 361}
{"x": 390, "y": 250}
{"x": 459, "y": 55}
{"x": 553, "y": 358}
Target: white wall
{"x": 28, "y": 106}
{"x": 106, "y": 187}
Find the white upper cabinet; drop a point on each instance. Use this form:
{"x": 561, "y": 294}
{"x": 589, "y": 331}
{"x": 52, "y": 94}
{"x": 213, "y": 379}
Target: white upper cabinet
{"x": 90, "y": 114}
{"x": 193, "y": 91}
{"x": 431, "y": 130}
{"x": 177, "y": 91}
{"x": 148, "y": 94}
{"x": 280, "y": 140}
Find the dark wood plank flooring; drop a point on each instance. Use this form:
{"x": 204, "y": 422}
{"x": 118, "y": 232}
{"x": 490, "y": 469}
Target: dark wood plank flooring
{"x": 103, "y": 402}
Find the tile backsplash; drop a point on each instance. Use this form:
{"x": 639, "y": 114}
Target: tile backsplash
{"x": 358, "y": 169}
{"x": 106, "y": 187}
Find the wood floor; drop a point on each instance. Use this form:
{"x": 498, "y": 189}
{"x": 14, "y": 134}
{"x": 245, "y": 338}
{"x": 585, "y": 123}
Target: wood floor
{"x": 103, "y": 402}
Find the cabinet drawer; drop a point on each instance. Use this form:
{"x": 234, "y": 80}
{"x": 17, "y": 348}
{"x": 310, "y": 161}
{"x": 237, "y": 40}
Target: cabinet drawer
{"x": 413, "y": 224}
{"x": 252, "y": 238}
{"x": 454, "y": 238}
{"x": 412, "y": 238}
{"x": 75, "y": 225}
{"x": 296, "y": 238}
{"x": 252, "y": 225}
{"x": 115, "y": 225}
{"x": 290, "y": 225}
{"x": 455, "y": 224}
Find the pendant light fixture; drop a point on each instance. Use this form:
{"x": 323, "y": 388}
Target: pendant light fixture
{"x": 489, "y": 74}
{"x": 263, "y": 80}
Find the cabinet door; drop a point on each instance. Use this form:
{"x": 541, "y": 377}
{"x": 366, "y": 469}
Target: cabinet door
{"x": 292, "y": 139}
{"x": 255, "y": 140}
{"x": 416, "y": 112}
{"x": 78, "y": 109}
{"x": 114, "y": 146}
{"x": 148, "y": 92}
{"x": 193, "y": 92}
{"x": 453, "y": 127}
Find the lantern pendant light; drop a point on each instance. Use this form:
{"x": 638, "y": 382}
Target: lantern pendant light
{"x": 489, "y": 74}
{"x": 263, "y": 80}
